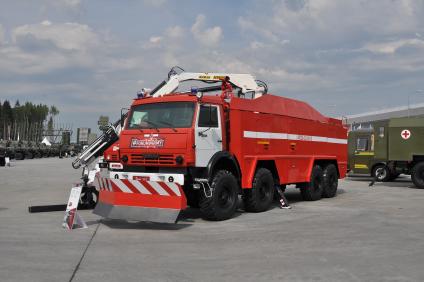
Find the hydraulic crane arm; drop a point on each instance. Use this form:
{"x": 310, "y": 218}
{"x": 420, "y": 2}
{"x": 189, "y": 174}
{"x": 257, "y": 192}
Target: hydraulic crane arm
{"x": 95, "y": 149}
{"x": 245, "y": 82}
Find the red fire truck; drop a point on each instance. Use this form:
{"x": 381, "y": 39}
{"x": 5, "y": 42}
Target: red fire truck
{"x": 178, "y": 148}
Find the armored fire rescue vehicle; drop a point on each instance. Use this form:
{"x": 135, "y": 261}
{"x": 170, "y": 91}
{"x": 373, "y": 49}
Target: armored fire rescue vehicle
{"x": 205, "y": 150}
{"x": 388, "y": 149}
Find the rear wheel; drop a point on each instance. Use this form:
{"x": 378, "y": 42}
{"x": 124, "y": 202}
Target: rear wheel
{"x": 259, "y": 197}
{"x": 331, "y": 181}
{"x": 222, "y": 202}
{"x": 312, "y": 191}
{"x": 417, "y": 175}
{"x": 381, "y": 173}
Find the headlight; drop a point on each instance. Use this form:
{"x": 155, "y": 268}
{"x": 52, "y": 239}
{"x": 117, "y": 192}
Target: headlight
{"x": 179, "y": 160}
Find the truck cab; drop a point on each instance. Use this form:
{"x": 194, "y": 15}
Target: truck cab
{"x": 361, "y": 151}
{"x": 171, "y": 138}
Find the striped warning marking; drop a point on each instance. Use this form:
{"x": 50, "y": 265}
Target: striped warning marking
{"x": 139, "y": 186}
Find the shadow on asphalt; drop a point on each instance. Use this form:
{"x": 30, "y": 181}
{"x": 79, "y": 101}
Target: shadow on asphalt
{"x": 190, "y": 215}
{"x": 400, "y": 182}
{"x": 122, "y": 224}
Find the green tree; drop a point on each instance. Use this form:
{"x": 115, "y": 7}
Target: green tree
{"x": 7, "y": 119}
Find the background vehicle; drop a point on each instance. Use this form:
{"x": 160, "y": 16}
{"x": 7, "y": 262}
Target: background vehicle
{"x": 388, "y": 149}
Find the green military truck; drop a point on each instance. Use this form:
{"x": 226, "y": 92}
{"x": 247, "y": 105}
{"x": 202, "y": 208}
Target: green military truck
{"x": 388, "y": 149}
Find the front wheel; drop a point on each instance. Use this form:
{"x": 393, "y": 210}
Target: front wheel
{"x": 221, "y": 202}
{"x": 193, "y": 197}
{"x": 259, "y": 197}
{"x": 417, "y": 175}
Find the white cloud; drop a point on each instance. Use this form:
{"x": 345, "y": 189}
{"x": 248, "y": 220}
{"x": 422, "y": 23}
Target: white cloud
{"x": 393, "y": 46}
{"x": 175, "y": 32}
{"x": 206, "y": 36}
{"x": 2, "y": 39}
{"x": 256, "y": 45}
{"x": 69, "y": 3}
{"x": 64, "y": 4}
{"x": 155, "y": 39}
{"x": 68, "y": 36}
{"x": 155, "y": 3}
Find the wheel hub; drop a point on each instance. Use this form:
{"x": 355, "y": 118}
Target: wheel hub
{"x": 381, "y": 173}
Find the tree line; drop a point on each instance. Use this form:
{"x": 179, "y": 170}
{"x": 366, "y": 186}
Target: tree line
{"x": 27, "y": 122}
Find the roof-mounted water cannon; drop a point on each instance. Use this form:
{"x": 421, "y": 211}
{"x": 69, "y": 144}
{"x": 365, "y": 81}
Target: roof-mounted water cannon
{"x": 246, "y": 83}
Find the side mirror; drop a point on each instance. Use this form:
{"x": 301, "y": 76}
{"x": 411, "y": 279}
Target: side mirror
{"x": 124, "y": 114}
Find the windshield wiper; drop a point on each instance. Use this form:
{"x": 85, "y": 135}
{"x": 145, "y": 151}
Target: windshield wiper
{"x": 155, "y": 126}
{"x": 168, "y": 124}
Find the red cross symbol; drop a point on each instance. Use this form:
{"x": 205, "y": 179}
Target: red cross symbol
{"x": 406, "y": 134}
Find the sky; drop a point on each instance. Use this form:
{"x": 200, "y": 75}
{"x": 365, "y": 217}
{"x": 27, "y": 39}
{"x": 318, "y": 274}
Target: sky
{"x": 90, "y": 57}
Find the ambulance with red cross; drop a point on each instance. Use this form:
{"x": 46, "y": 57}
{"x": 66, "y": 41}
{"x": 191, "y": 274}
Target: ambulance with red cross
{"x": 389, "y": 148}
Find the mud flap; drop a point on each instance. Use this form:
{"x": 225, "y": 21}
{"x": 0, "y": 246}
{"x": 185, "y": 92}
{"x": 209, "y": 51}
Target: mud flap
{"x": 140, "y": 200}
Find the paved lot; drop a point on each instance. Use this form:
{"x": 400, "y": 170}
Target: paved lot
{"x": 364, "y": 234}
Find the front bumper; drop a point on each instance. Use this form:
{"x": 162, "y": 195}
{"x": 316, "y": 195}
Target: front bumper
{"x": 157, "y": 176}
{"x": 140, "y": 200}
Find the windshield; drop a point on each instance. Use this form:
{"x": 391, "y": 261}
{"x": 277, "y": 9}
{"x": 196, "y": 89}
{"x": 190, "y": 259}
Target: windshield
{"x": 162, "y": 115}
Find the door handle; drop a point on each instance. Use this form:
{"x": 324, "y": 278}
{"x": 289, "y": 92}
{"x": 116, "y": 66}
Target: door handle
{"x": 201, "y": 134}
{"x": 219, "y": 141}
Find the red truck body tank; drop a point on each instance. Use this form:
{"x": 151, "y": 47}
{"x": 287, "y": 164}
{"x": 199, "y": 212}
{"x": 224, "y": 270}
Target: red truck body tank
{"x": 285, "y": 136}
{"x": 290, "y": 132}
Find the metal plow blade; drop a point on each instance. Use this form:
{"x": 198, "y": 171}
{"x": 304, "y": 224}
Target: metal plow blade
{"x": 140, "y": 200}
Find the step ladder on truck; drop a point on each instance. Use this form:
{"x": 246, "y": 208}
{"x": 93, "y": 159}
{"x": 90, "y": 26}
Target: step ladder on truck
{"x": 189, "y": 148}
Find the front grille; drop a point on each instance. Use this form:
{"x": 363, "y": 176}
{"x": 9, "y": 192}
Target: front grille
{"x": 152, "y": 159}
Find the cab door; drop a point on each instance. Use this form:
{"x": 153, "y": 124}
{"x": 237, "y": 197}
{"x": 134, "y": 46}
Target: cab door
{"x": 208, "y": 133}
{"x": 364, "y": 153}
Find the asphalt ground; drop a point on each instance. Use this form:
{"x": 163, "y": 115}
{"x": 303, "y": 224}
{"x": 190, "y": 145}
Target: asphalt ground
{"x": 363, "y": 234}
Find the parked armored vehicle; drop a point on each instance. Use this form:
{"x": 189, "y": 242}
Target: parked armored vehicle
{"x": 18, "y": 149}
{"x": 2, "y": 153}
{"x": 388, "y": 149}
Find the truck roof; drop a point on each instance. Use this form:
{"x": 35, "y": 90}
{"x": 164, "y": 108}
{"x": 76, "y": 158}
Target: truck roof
{"x": 278, "y": 105}
{"x": 270, "y": 104}
{"x": 407, "y": 121}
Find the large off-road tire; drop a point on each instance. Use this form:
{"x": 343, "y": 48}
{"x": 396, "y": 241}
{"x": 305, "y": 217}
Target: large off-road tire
{"x": 259, "y": 198}
{"x": 417, "y": 175}
{"x": 381, "y": 173}
{"x": 89, "y": 197}
{"x": 223, "y": 202}
{"x": 312, "y": 191}
{"x": 192, "y": 197}
{"x": 331, "y": 181}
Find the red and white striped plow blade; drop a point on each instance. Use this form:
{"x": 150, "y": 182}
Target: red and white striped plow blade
{"x": 140, "y": 200}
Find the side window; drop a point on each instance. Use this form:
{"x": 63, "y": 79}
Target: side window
{"x": 362, "y": 144}
{"x": 208, "y": 116}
